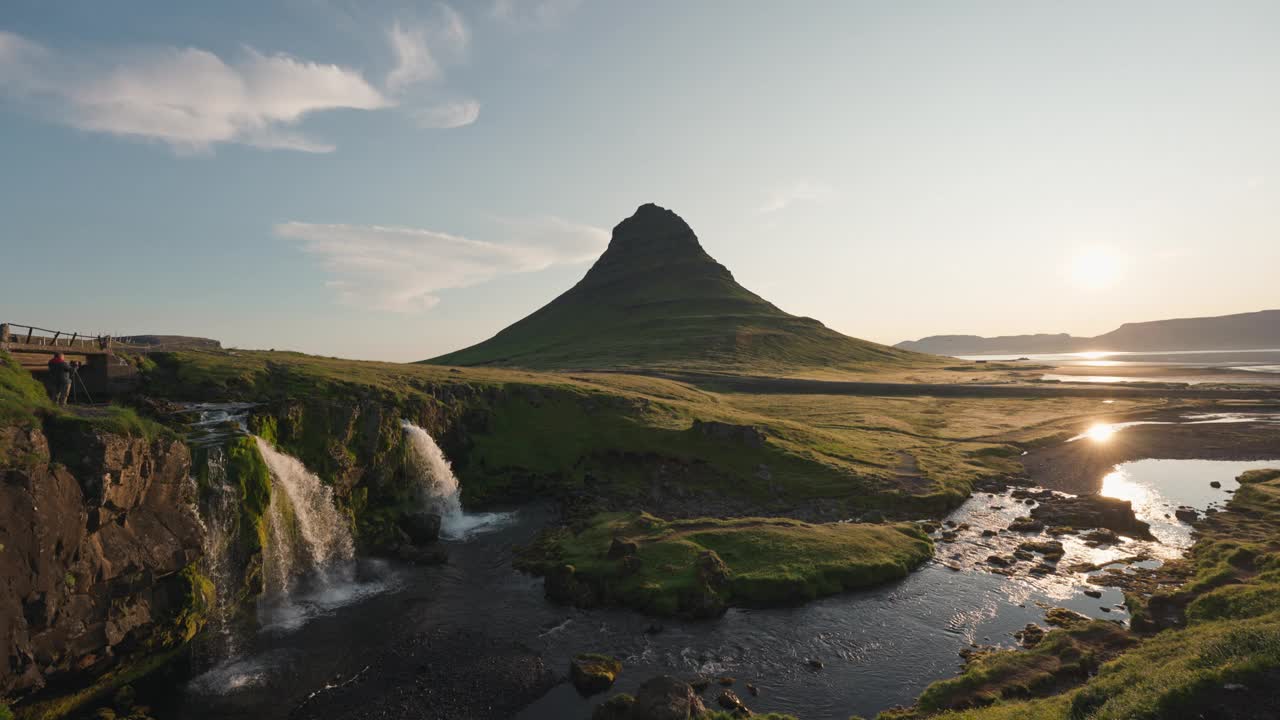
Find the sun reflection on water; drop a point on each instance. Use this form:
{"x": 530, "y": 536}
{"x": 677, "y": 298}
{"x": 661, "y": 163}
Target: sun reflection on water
{"x": 1117, "y": 484}
{"x": 1100, "y": 432}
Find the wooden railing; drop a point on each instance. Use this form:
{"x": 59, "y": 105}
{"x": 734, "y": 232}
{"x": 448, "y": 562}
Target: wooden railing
{"x": 14, "y": 336}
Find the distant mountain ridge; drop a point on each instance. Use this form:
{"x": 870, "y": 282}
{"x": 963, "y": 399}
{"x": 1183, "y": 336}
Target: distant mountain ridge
{"x": 1242, "y": 331}
{"x": 656, "y": 299}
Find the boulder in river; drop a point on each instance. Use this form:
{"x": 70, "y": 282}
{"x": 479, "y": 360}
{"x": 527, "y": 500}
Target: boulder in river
{"x": 618, "y": 707}
{"x": 1187, "y": 514}
{"x": 1092, "y": 511}
{"x": 1026, "y": 524}
{"x": 593, "y": 673}
{"x": 421, "y": 527}
{"x": 666, "y": 698}
{"x": 730, "y": 701}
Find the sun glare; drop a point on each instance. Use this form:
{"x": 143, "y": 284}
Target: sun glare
{"x": 1095, "y": 268}
{"x": 1100, "y": 432}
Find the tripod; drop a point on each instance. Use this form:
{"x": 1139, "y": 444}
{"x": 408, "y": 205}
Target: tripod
{"x": 75, "y": 378}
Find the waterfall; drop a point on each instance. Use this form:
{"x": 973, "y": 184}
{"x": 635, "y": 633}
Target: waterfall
{"x": 218, "y": 517}
{"x": 439, "y": 488}
{"x": 307, "y": 534}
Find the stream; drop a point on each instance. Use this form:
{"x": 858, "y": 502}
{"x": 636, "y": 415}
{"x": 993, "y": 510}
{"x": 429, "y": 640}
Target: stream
{"x": 878, "y": 648}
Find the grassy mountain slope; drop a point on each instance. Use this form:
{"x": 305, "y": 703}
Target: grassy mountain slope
{"x": 655, "y": 298}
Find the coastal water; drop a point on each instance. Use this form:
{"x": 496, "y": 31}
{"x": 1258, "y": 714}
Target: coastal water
{"x": 878, "y": 648}
{"x": 1192, "y": 367}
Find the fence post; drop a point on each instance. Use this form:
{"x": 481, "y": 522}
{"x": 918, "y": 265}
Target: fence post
{"x": 4, "y": 334}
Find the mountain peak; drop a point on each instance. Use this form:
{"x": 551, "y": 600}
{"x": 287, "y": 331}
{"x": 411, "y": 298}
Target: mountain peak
{"x": 653, "y": 228}
{"x": 655, "y": 298}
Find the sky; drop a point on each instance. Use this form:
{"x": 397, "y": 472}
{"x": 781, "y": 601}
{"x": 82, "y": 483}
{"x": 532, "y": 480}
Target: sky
{"x": 395, "y": 180}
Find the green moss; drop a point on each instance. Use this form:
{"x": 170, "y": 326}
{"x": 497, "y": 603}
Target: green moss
{"x": 200, "y": 597}
{"x": 99, "y": 690}
{"x": 701, "y": 566}
{"x": 594, "y": 673}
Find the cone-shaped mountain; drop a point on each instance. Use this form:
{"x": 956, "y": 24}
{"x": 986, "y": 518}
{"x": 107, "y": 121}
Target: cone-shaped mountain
{"x": 656, "y": 299}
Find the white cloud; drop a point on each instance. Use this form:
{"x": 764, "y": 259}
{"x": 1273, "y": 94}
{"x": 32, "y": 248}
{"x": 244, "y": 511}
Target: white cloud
{"x": 452, "y": 114}
{"x": 799, "y": 191}
{"x": 402, "y": 269}
{"x": 414, "y": 62}
{"x": 186, "y": 97}
{"x": 537, "y": 13}
{"x": 422, "y": 50}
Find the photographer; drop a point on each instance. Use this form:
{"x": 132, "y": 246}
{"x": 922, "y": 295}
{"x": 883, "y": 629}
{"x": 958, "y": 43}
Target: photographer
{"x": 59, "y": 379}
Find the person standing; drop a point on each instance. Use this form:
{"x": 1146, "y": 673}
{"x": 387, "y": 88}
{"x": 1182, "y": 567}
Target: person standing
{"x": 59, "y": 379}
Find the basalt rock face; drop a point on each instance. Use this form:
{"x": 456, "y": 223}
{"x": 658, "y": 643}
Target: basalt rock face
{"x": 97, "y": 541}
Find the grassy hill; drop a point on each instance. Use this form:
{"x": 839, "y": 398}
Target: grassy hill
{"x": 656, "y": 299}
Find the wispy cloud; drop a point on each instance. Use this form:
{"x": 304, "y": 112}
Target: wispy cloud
{"x": 421, "y": 50}
{"x": 451, "y": 114}
{"x": 533, "y": 13}
{"x": 402, "y": 269}
{"x": 800, "y": 191}
{"x": 186, "y": 97}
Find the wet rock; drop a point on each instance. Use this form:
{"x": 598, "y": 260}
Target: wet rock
{"x": 1026, "y": 524}
{"x": 654, "y": 629}
{"x": 999, "y": 561}
{"x": 1093, "y": 593}
{"x": 1215, "y": 484}
{"x": 1051, "y": 549}
{"x": 1023, "y": 555}
{"x": 666, "y": 698}
{"x": 726, "y": 681}
{"x": 948, "y": 537}
{"x": 700, "y": 683}
{"x": 1031, "y": 635}
{"x": 1092, "y": 511}
{"x": 730, "y": 701}
{"x": 1187, "y": 514}
{"x": 421, "y": 527}
{"x": 618, "y": 707}
{"x": 1064, "y": 618}
{"x": 988, "y": 533}
{"x": 593, "y": 673}
{"x": 814, "y": 664}
{"x": 1100, "y": 537}
{"x": 753, "y": 690}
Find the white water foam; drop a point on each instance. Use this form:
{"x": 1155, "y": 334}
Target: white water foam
{"x": 307, "y": 534}
{"x": 440, "y": 491}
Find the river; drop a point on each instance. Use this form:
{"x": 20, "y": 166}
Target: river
{"x": 878, "y": 648}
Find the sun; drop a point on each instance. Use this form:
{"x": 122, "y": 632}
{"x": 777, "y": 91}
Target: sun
{"x": 1095, "y": 268}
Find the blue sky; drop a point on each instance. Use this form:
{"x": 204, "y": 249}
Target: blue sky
{"x": 395, "y": 180}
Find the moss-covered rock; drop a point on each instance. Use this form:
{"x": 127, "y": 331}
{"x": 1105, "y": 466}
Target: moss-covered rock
{"x": 699, "y": 567}
{"x": 593, "y": 673}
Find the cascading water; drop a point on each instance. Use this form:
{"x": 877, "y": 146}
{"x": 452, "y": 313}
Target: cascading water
{"x": 440, "y": 490}
{"x": 218, "y": 515}
{"x": 307, "y": 534}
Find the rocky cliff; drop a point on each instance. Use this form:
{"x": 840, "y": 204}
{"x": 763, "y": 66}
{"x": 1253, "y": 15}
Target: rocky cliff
{"x": 98, "y": 540}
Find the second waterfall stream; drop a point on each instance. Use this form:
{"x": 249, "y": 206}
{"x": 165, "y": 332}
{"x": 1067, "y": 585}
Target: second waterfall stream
{"x": 440, "y": 490}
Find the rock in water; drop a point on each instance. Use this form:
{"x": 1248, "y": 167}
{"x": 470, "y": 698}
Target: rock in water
{"x": 1092, "y": 511}
{"x": 593, "y": 673}
{"x": 666, "y": 698}
{"x": 421, "y": 527}
{"x": 618, "y": 707}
